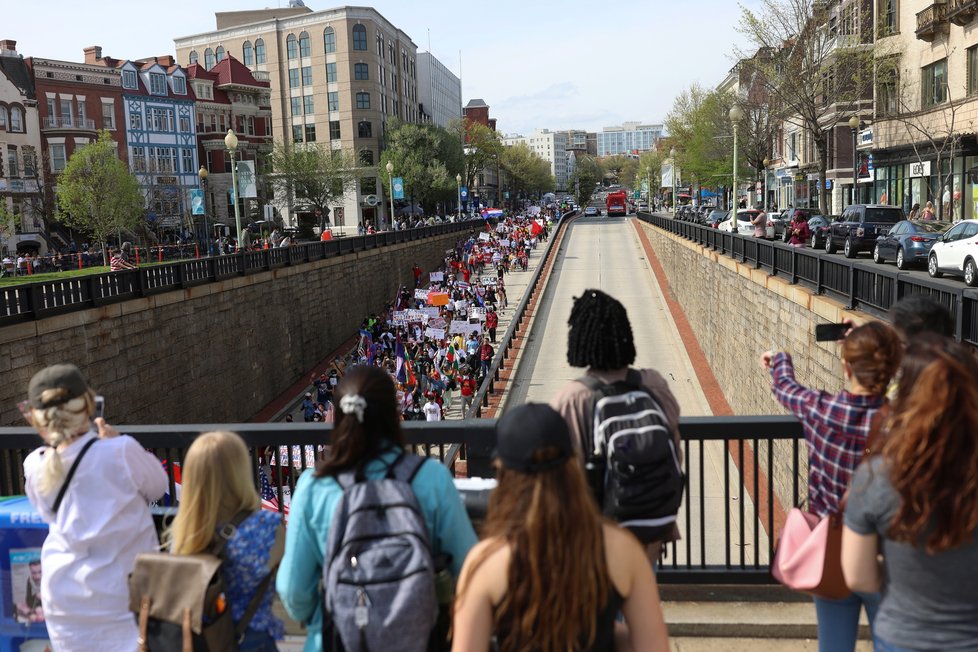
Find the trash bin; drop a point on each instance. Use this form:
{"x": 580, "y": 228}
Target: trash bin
{"x": 22, "y": 533}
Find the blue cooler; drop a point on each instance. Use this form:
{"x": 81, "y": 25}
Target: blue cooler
{"x": 22, "y": 532}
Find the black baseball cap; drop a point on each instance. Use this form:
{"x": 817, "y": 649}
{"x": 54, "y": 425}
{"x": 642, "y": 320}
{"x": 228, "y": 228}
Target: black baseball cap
{"x": 524, "y": 430}
{"x": 66, "y": 378}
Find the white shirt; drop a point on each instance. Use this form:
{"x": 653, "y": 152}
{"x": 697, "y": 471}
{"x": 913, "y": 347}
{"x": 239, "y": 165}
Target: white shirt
{"x": 432, "y": 411}
{"x": 103, "y": 523}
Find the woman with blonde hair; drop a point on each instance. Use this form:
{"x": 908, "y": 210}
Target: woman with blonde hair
{"x": 218, "y": 499}
{"x": 93, "y": 487}
{"x": 552, "y": 573}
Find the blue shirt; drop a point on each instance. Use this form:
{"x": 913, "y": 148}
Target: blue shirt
{"x": 311, "y": 514}
{"x": 246, "y": 565}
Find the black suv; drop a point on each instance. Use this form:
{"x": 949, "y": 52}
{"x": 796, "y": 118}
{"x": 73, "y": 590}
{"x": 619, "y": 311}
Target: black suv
{"x": 856, "y": 229}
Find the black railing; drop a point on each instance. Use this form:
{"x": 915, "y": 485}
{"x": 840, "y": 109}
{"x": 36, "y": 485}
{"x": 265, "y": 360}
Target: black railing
{"x": 30, "y": 301}
{"x": 868, "y": 287}
{"x": 761, "y": 458}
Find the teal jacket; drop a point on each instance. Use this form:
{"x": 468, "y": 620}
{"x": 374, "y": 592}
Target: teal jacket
{"x": 311, "y": 514}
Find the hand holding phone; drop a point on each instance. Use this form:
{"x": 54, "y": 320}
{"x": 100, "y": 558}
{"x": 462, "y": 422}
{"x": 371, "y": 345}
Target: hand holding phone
{"x": 831, "y": 332}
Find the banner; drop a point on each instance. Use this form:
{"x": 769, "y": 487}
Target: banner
{"x": 196, "y": 201}
{"x": 398, "y": 186}
{"x": 247, "y": 182}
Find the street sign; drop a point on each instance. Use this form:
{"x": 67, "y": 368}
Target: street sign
{"x": 196, "y": 201}
{"x": 464, "y": 192}
{"x": 637, "y": 194}
{"x": 371, "y": 200}
{"x": 398, "y": 183}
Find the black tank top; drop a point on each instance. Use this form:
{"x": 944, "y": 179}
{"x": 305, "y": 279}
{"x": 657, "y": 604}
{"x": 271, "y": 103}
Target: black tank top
{"x": 604, "y": 638}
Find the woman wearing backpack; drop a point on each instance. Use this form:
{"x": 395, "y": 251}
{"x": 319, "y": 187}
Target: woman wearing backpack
{"x": 93, "y": 487}
{"x": 218, "y": 486}
{"x": 535, "y": 595}
{"x": 367, "y": 439}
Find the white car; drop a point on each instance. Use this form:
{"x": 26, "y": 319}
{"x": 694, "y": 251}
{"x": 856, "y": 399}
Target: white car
{"x": 591, "y": 210}
{"x": 744, "y": 227}
{"x": 956, "y": 252}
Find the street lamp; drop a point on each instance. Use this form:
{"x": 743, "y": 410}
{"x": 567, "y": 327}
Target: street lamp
{"x": 202, "y": 173}
{"x": 458, "y": 180}
{"x": 390, "y": 181}
{"x": 764, "y": 206}
{"x": 736, "y": 115}
{"x": 231, "y": 142}
{"x": 854, "y": 125}
{"x": 672, "y": 157}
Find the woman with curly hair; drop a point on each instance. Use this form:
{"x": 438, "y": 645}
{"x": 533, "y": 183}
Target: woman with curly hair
{"x": 552, "y": 573}
{"x": 917, "y": 502}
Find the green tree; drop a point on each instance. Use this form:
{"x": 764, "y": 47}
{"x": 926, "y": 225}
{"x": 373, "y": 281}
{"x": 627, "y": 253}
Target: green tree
{"x": 586, "y": 176}
{"x": 426, "y": 157}
{"x": 527, "y": 172}
{"x": 97, "y": 194}
{"x": 312, "y": 175}
{"x": 701, "y": 133}
{"x": 650, "y": 170}
{"x": 481, "y": 147}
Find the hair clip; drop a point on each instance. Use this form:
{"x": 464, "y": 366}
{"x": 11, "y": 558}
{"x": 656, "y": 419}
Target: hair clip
{"x": 353, "y": 404}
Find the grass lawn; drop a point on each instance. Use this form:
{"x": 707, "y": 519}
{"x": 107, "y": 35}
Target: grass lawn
{"x": 50, "y": 276}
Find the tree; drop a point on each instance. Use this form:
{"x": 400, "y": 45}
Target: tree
{"x": 620, "y": 169}
{"x": 527, "y": 172}
{"x": 701, "y": 133}
{"x": 481, "y": 147}
{"x": 97, "y": 194}
{"x": 650, "y": 170}
{"x": 426, "y": 157}
{"x": 312, "y": 174}
{"x": 586, "y": 176}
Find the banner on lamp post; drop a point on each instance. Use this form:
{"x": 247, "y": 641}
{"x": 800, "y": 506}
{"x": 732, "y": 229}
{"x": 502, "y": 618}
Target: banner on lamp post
{"x": 398, "y": 187}
{"x": 196, "y": 201}
{"x": 247, "y": 184}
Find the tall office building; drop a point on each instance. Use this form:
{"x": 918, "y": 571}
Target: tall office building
{"x": 551, "y": 146}
{"x": 628, "y": 138}
{"x": 336, "y": 76}
{"x": 439, "y": 91}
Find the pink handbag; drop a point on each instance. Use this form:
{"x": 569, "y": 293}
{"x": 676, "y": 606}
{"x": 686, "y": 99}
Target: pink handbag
{"x": 809, "y": 555}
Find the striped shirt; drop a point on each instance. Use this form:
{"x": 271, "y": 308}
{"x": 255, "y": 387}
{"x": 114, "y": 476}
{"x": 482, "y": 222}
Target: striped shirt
{"x": 836, "y": 428}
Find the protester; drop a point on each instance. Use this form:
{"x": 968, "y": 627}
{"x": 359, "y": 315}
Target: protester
{"x": 511, "y": 579}
{"x": 367, "y": 438}
{"x": 93, "y": 487}
{"x": 217, "y": 486}
{"x": 917, "y": 503}
{"x": 837, "y": 428}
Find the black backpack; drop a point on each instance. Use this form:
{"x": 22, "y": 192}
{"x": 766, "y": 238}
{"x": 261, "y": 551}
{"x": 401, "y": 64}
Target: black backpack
{"x": 631, "y": 463}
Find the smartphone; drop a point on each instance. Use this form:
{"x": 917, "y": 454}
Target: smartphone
{"x": 830, "y": 332}
{"x": 99, "y": 407}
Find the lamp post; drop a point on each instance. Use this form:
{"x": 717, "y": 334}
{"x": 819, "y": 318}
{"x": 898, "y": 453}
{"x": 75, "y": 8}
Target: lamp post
{"x": 202, "y": 173}
{"x": 231, "y": 142}
{"x": 458, "y": 181}
{"x": 390, "y": 182}
{"x": 854, "y": 125}
{"x": 736, "y": 115}
{"x": 764, "y": 206}
{"x": 672, "y": 157}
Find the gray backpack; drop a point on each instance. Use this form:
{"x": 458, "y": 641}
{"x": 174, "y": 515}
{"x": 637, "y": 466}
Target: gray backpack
{"x": 379, "y": 575}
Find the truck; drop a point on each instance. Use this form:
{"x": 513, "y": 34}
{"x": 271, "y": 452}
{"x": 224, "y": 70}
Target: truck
{"x": 617, "y": 203}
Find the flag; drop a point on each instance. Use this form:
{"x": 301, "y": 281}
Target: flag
{"x": 536, "y": 228}
{"x": 269, "y": 500}
{"x": 169, "y": 500}
{"x": 363, "y": 349}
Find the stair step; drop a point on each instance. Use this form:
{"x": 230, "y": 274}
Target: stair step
{"x": 745, "y": 619}
{"x": 682, "y": 644}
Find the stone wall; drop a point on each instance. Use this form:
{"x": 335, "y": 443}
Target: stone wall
{"x": 217, "y": 352}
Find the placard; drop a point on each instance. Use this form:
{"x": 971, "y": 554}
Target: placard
{"x": 462, "y": 328}
{"x": 504, "y": 243}
{"x": 488, "y": 280}
{"x": 484, "y": 236}
{"x": 438, "y": 298}
{"x": 431, "y": 311}
{"x": 435, "y": 333}
{"x": 416, "y": 317}
{"x": 421, "y": 293}
{"x": 437, "y": 322}
{"x": 437, "y": 277}
{"x": 478, "y": 313}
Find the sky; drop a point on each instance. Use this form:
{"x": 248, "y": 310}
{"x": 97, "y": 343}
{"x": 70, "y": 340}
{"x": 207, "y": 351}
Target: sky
{"x": 545, "y": 64}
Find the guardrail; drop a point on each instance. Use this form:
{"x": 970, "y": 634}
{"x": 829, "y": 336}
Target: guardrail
{"x": 869, "y": 287}
{"x": 741, "y": 496}
{"x": 31, "y": 301}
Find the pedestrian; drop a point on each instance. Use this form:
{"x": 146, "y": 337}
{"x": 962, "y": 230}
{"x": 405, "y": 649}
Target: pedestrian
{"x": 837, "y": 429}
{"x": 217, "y": 488}
{"x": 492, "y": 323}
{"x": 93, "y": 488}
{"x": 598, "y": 570}
{"x": 485, "y": 357}
{"x": 367, "y": 438}
{"x": 431, "y": 409}
{"x": 914, "y": 212}
{"x": 928, "y": 212}
{"x": 467, "y": 389}
{"x": 799, "y": 231}
{"x": 759, "y": 221}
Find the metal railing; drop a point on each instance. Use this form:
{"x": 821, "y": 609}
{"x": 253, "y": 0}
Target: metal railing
{"x": 68, "y": 122}
{"x": 19, "y": 303}
{"x": 742, "y": 495}
{"x": 869, "y": 287}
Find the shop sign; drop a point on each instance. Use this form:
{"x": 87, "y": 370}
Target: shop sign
{"x": 920, "y": 169}
{"x": 866, "y": 137}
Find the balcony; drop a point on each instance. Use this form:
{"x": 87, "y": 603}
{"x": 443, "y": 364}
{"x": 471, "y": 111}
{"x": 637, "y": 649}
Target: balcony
{"x": 67, "y": 123}
{"x": 933, "y": 21}
{"x": 962, "y": 12}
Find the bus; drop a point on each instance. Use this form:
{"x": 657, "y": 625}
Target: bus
{"x": 617, "y": 203}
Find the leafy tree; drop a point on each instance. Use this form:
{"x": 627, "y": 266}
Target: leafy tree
{"x": 97, "y": 194}
{"x": 481, "y": 147}
{"x": 426, "y": 157}
{"x": 312, "y": 174}
{"x": 586, "y": 176}
{"x": 620, "y": 169}
{"x": 702, "y": 136}
{"x": 8, "y": 222}
{"x": 650, "y": 169}
{"x": 528, "y": 173}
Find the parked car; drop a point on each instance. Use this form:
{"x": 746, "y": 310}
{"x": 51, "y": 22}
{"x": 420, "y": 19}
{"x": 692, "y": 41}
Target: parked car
{"x": 819, "y": 226}
{"x": 908, "y": 242}
{"x": 856, "y": 229}
{"x": 715, "y": 217}
{"x": 784, "y": 219}
{"x": 744, "y": 227}
{"x": 955, "y": 252}
{"x": 591, "y": 211}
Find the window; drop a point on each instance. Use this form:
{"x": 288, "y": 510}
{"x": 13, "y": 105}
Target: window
{"x": 57, "y": 158}
{"x": 188, "y": 160}
{"x": 157, "y": 84}
{"x": 296, "y": 133}
{"x": 179, "y": 85}
{"x": 972, "y": 59}
{"x": 333, "y": 99}
{"x": 334, "y": 129}
{"x": 80, "y": 103}
{"x": 66, "y": 112}
{"x": 359, "y": 37}
{"x": 129, "y": 79}
{"x": 296, "y": 106}
{"x": 363, "y": 100}
{"x": 193, "y": 57}
{"x": 291, "y": 47}
{"x": 887, "y": 88}
{"x": 138, "y": 159}
{"x": 12, "y": 169}
{"x": 30, "y": 161}
{"x": 219, "y": 53}
{"x": 380, "y": 45}
{"x": 163, "y": 159}
{"x": 310, "y": 133}
{"x": 366, "y": 157}
{"x": 3, "y": 117}
{"x": 329, "y": 40}
{"x": 365, "y": 129}
{"x": 185, "y": 124}
{"x": 934, "y": 84}
{"x": 208, "y": 59}
{"x": 293, "y": 78}
{"x": 307, "y": 75}
{"x": 16, "y": 119}
{"x": 889, "y": 18}
{"x": 304, "y": 49}
{"x": 160, "y": 120}
{"x": 361, "y": 72}
{"x": 260, "y": 51}
{"x": 308, "y": 105}
{"x": 330, "y": 72}
{"x": 135, "y": 121}
{"x": 248, "y": 54}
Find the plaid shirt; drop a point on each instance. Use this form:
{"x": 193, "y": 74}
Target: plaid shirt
{"x": 836, "y": 428}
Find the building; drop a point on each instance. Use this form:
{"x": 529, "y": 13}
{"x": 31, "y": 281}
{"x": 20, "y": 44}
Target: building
{"x": 551, "y": 146}
{"x": 485, "y": 187}
{"x": 230, "y": 96}
{"x": 439, "y": 91}
{"x": 336, "y": 76}
{"x": 628, "y": 138}
{"x": 20, "y": 147}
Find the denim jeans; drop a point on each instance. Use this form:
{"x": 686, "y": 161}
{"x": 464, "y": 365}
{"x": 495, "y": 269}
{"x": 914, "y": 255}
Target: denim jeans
{"x": 838, "y": 620}
{"x": 257, "y": 642}
{"x": 882, "y": 646}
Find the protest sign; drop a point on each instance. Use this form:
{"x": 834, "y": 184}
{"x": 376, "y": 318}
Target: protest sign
{"x": 504, "y": 243}
{"x": 438, "y": 298}
{"x": 478, "y": 313}
{"x": 435, "y": 333}
{"x": 421, "y": 293}
{"x": 460, "y": 327}
{"x": 437, "y": 277}
{"x": 484, "y": 236}
{"x": 430, "y": 311}
{"x": 488, "y": 280}
{"x": 437, "y": 322}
